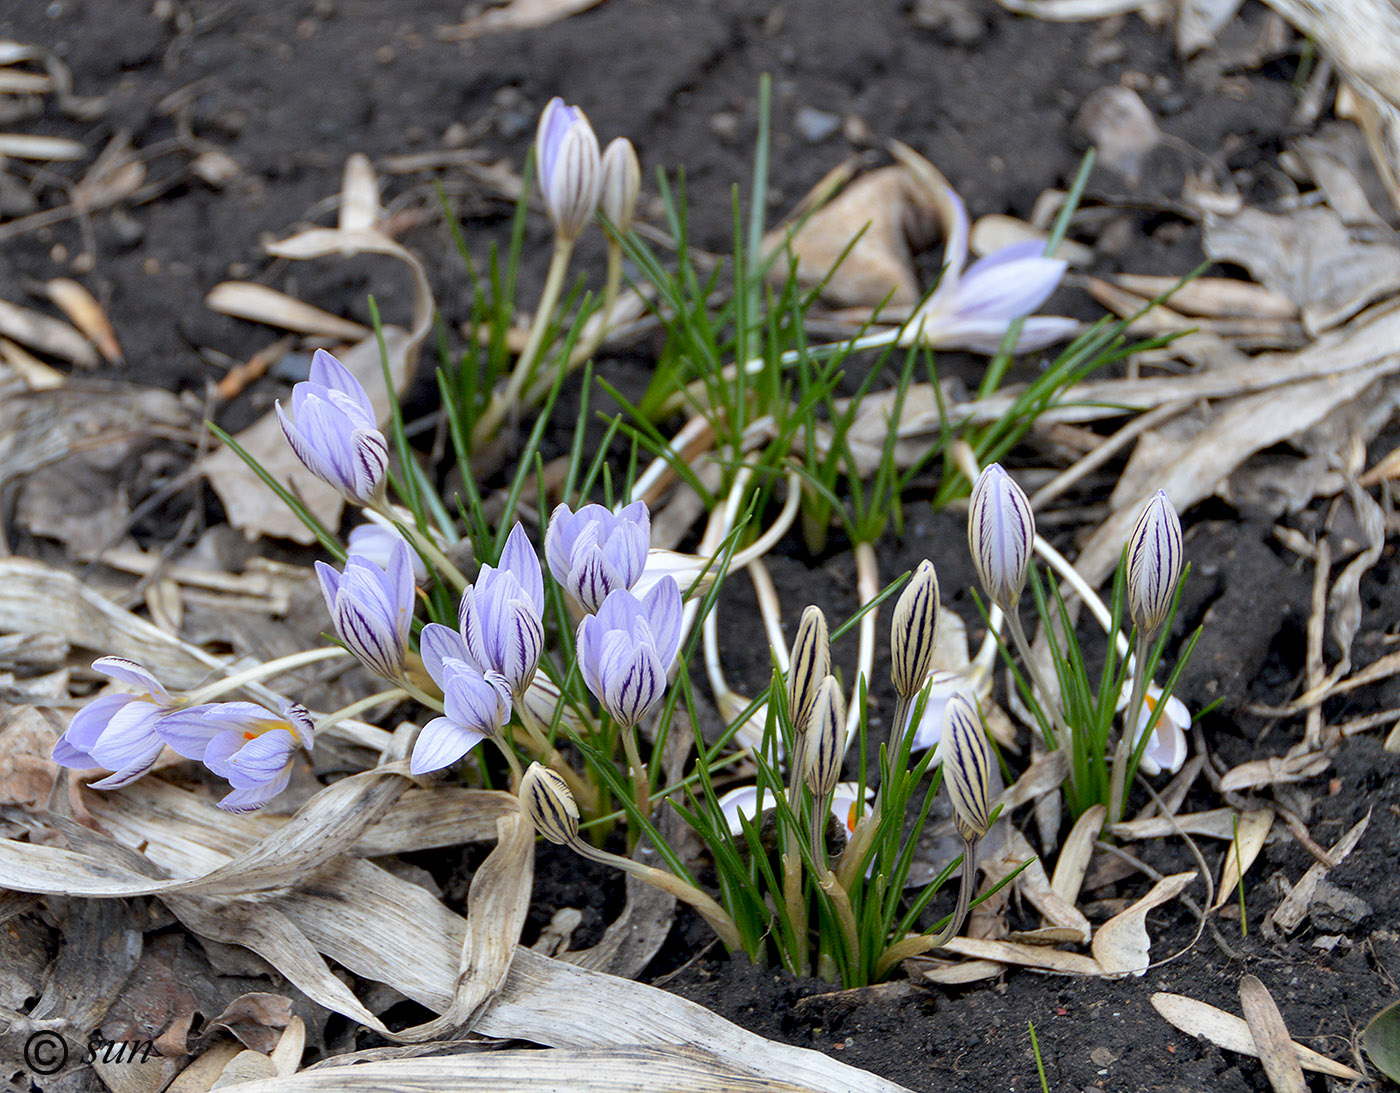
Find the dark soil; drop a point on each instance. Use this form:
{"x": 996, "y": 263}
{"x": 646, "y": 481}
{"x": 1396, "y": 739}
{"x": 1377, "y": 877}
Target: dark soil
{"x": 289, "y": 90}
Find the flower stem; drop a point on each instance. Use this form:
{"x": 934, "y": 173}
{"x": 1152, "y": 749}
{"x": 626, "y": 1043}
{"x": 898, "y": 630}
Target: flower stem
{"x": 585, "y": 794}
{"x": 497, "y": 409}
{"x": 922, "y": 943}
{"x": 1128, "y": 735}
{"x": 335, "y": 717}
{"x": 641, "y": 781}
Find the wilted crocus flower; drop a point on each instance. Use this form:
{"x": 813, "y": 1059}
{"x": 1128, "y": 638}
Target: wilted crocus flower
{"x": 913, "y": 630}
{"x": 117, "y": 732}
{"x": 251, "y": 747}
{"x": 622, "y": 182}
{"x": 372, "y": 608}
{"x": 845, "y": 806}
{"x": 502, "y": 614}
{"x": 594, "y": 551}
{"x": 376, "y": 541}
{"x": 566, "y": 154}
{"x": 1167, "y": 748}
{"x": 476, "y": 703}
{"x": 626, "y": 649}
{"x": 333, "y": 432}
{"x": 966, "y": 767}
{"x": 973, "y": 309}
{"x": 1000, "y": 535}
{"x": 1154, "y": 563}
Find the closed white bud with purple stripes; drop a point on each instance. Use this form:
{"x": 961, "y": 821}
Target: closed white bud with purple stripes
{"x": 595, "y": 551}
{"x": 566, "y": 155}
{"x": 913, "y": 631}
{"x": 372, "y": 609}
{"x": 825, "y": 743}
{"x": 546, "y": 800}
{"x": 967, "y": 766}
{"x": 808, "y": 664}
{"x": 1154, "y": 563}
{"x": 1000, "y": 535}
{"x": 622, "y": 182}
{"x": 502, "y": 614}
{"x": 626, "y": 649}
{"x": 332, "y": 430}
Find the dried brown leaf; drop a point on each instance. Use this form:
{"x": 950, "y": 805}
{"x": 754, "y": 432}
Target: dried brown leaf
{"x": 1271, "y": 1037}
{"x": 1121, "y": 945}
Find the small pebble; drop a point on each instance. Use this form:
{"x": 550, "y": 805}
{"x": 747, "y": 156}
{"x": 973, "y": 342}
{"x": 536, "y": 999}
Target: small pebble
{"x": 816, "y": 125}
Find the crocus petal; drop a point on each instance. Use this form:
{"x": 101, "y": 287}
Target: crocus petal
{"x": 662, "y": 608}
{"x": 74, "y": 747}
{"x": 633, "y": 679}
{"x": 441, "y": 743}
{"x": 129, "y": 736}
{"x": 299, "y": 718}
{"x": 252, "y": 798}
{"x": 473, "y": 700}
{"x": 519, "y": 559}
{"x": 1038, "y": 331}
{"x": 559, "y": 536}
{"x": 259, "y": 760}
{"x": 369, "y": 463}
{"x": 220, "y": 749}
{"x": 1007, "y": 290}
{"x": 592, "y": 578}
{"x": 133, "y": 675}
{"x": 438, "y": 643}
{"x": 742, "y": 802}
{"x": 329, "y": 372}
{"x": 143, "y": 762}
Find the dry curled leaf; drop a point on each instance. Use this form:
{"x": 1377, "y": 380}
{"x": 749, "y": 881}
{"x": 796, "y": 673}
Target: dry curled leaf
{"x": 1121, "y": 944}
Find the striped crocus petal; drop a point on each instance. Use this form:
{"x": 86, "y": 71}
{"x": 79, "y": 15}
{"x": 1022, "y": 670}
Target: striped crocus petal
{"x": 1000, "y": 535}
{"x": 331, "y": 428}
{"x": 966, "y": 766}
{"x": 913, "y": 630}
{"x": 632, "y": 677}
{"x": 566, "y": 153}
{"x": 371, "y": 609}
{"x": 1154, "y": 563}
{"x": 825, "y": 742}
{"x": 133, "y": 675}
{"x": 808, "y": 664}
{"x": 440, "y": 743}
{"x": 546, "y": 800}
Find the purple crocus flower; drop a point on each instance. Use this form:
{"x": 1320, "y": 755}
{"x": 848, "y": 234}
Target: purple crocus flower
{"x": 594, "y": 551}
{"x": 566, "y": 155}
{"x": 333, "y": 432}
{"x": 372, "y": 608}
{"x": 254, "y": 750}
{"x": 476, "y": 703}
{"x": 375, "y": 541}
{"x": 117, "y": 732}
{"x": 972, "y": 309}
{"x": 626, "y": 649}
{"x": 501, "y": 615}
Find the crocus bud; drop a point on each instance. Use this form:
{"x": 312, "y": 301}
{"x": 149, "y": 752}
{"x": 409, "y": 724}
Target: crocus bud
{"x": 808, "y": 665}
{"x": 332, "y": 430}
{"x": 826, "y": 740}
{"x": 501, "y": 615}
{"x": 913, "y": 630}
{"x": 566, "y": 154}
{"x": 546, "y": 800}
{"x": 1154, "y": 563}
{"x": 595, "y": 551}
{"x": 966, "y": 767}
{"x": 372, "y": 609}
{"x": 622, "y": 182}
{"x": 1000, "y": 534}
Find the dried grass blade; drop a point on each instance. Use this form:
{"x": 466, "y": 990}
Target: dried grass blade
{"x": 33, "y": 146}
{"x": 1290, "y": 913}
{"x": 1227, "y": 1031}
{"x": 1029, "y": 956}
{"x": 1271, "y": 1037}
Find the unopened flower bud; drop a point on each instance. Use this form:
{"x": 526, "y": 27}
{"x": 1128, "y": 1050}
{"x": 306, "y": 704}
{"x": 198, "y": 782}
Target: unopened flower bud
{"x": 622, "y": 182}
{"x": 566, "y": 155}
{"x": 1154, "y": 563}
{"x": 966, "y": 767}
{"x": 826, "y": 740}
{"x": 1000, "y": 535}
{"x": 808, "y": 664}
{"x": 913, "y": 630}
{"x": 546, "y": 800}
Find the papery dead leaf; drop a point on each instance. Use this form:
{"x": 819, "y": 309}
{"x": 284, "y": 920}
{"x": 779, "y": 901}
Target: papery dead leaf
{"x": 46, "y": 334}
{"x": 1029, "y": 956}
{"x": 85, "y": 313}
{"x": 1270, "y": 1036}
{"x": 1232, "y": 1033}
{"x": 1254, "y": 828}
{"x": 1121, "y": 945}
{"x": 1078, "y": 848}
{"x": 514, "y": 15}
{"x": 261, "y": 304}
{"x": 1290, "y": 913}
{"x": 1275, "y": 771}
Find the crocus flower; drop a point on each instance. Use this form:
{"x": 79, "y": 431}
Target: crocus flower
{"x": 967, "y": 765}
{"x": 973, "y": 308}
{"x": 333, "y": 432}
{"x": 1167, "y": 748}
{"x": 372, "y": 608}
{"x": 626, "y": 649}
{"x": 743, "y": 802}
{"x": 1154, "y": 563}
{"x": 476, "y": 703}
{"x": 254, "y": 750}
{"x": 1000, "y": 535}
{"x": 502, "y": 614}
{"x": 376, "y": 541}
{"x": 545, "y": 798}
{"x": 621, "y": 183}
{"x": 117, "y": 732}
{"x": 594, "y": 551}
{"x": 808, "y": 664}
{"x": 566, "y": 154}
{"x": 913, "y": 630}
